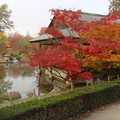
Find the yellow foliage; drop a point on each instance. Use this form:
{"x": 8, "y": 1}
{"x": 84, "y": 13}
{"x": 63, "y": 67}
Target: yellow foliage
{"x": 2, "y": 36}
{"x": 91, "y": 61}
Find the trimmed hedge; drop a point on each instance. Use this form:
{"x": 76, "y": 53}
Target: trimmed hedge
{"x": 64, "y": 105}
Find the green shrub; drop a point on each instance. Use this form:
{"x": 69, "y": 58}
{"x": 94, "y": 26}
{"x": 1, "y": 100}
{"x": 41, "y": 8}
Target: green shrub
{"x": 64, "y": 105}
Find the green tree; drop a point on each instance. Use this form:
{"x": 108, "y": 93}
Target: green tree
{"x": 5, "y": 14}
{"x": 114, "y": 5}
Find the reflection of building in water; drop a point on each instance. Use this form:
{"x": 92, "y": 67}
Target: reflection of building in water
{"x": 43, "y": 86}
{"x": 56, "y": 77}
{"x": 6, "y": 65}
{"x": 47, "y": 84}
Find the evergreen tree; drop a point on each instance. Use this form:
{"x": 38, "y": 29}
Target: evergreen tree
{"x": 5, "y": 14}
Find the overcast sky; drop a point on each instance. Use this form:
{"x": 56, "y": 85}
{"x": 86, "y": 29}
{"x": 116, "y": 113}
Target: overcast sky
{"x": 31, "y": 15}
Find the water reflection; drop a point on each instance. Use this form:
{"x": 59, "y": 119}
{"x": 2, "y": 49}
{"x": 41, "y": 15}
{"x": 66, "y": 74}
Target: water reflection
{"x": 5, "y": 85}
{"x": 22, "y": 80}
{"x": 23, "y": 70}
{"x": 18, "y": 78}
{"x": 2, "y": 72}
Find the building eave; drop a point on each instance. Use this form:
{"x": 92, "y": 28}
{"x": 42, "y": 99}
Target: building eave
{"x": 45, "y": 37}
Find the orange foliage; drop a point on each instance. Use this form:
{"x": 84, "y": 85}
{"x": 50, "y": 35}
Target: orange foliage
{"x": 42, "y": 31}
{"x": 112, "y": 31}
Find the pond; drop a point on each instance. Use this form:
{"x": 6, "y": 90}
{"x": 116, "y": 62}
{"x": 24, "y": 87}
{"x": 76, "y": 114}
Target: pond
{"x": 22, "y": 79}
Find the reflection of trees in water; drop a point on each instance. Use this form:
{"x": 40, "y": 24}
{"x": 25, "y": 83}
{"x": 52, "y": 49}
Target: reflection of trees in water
{"x": 23, "y": 70}
{"x": 2, "y": 72}
{"x": 5, "y": 85}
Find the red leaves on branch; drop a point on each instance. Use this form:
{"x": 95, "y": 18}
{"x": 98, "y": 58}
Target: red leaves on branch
{"x": 86, "y": 75}
{"x": 94, "y": 51}
{"x": 55, "y": 33}
{"x": 65, "y": 16}
{"x": 70, "y": 45}
{"x": 99, "y": 46}
{"x": 58, "y": 57}
{"x": 109, "y": 18}
{"x": 78, "y": 77}
{"x": 104, "y": 43}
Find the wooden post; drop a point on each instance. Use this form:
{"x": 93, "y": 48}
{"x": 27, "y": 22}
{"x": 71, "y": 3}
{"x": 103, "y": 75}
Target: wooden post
{"x": 108, "y": 78}
{"x": 39, "y": 76}
{"x": 98, "y": 81}
{"x": 40, "y": 46}
{"x": 71, "y": 83}
{"x": 34, "y": 94}
{"x": 118, "y": 77}
{"x": 11, "y": 98}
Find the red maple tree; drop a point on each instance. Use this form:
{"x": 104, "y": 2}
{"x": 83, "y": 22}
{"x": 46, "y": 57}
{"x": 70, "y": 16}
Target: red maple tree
{"x": 69, "y": 52}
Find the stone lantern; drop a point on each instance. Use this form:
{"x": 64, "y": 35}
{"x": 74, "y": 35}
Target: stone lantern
{"x": 6, "y": 58}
